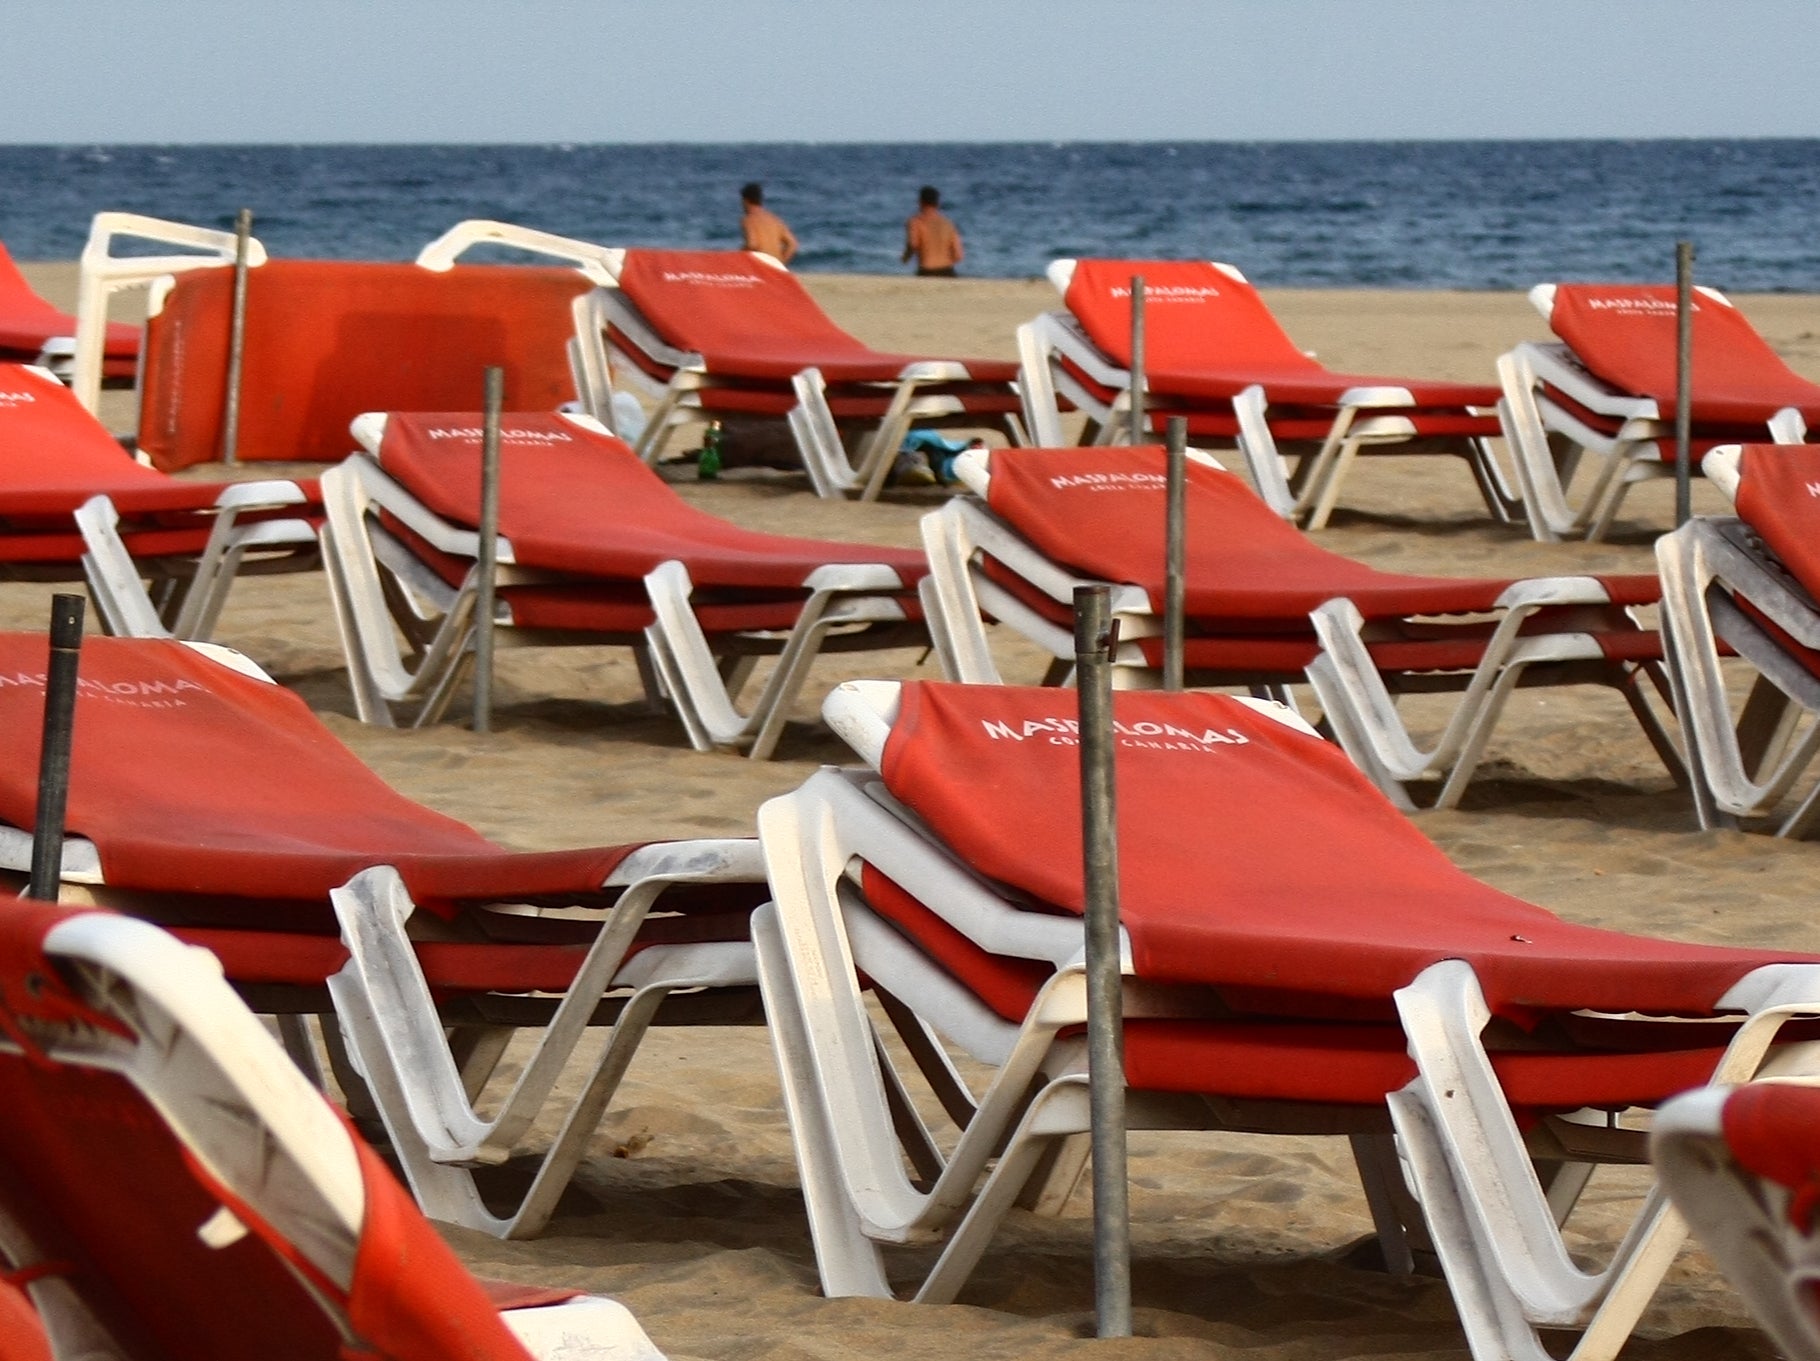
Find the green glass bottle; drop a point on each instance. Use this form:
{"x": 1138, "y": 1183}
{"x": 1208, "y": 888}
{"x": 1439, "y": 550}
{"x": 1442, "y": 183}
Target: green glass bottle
{"x": 709, "y": 467}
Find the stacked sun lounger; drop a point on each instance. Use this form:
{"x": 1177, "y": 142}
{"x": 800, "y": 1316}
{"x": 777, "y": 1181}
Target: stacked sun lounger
{"x": 595, "y": 549}
{"x": 733, "y": 334}
{"x": 1266, "y": 605}
{"x": 206, "y": 798}
{"x": 1605, "y": 394}
{"x": 74, "y": 504}
{"x": 1296, "y": 958}
{"x": 1215, "y": 356}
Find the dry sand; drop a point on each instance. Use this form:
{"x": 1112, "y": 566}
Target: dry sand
{"x": 689, "y": 1208}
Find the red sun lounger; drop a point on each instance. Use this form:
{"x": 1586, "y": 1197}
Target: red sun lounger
{"x": 34, "y": 332}
{"x": 1745, "y": 584}
{"x": 1216, "y": 355}
{"x": 170, "y": 1185}
{"x": 74, "y": 504}
{"x": 1297, "y": 958}
{"x": 328, "y": 339}
{"x": 594, "y": 549}
{"x": 213, "y": 801}
{"x": 1265, "y": 604}
{"x": 1607, "y": 390}
{"x": 727, "y": 334}
{"x": 1743, "y": 1168}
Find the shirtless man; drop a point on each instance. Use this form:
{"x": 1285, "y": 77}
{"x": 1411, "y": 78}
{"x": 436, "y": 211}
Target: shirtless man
{"x": 762, "y": 229}
{"x": 931, "y": 238}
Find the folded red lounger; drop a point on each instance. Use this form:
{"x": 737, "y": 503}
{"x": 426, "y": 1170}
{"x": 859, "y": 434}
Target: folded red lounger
{"x": 594, "y": 548}
{"x": 34, "y": 332}
{"x": 1608, "y": 389}
{"x": 216, "y": 803}
{"x": 1745, "y": 584}
{"x": 723, "y": 334}
{"x": 1297, "y": 957}
{"x": 1215, "y": 355}
{"x": 170, "y": 1186}
{"x": 74, "y": 504}
{"x": 1264, "y": 604}
{"x": 328, "y": 339}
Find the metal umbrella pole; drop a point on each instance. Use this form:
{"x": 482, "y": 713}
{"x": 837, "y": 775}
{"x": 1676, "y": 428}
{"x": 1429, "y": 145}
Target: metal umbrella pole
{"x": 54, "y": 755}
{"x": 230, "y": 413}
{"x": 1175, "y": 555}
{"x": 1137, "y": 359}
{"x": 486, "y": 562}
{"x": 1684, "y": 381}
{"x": 1095, "y": 638}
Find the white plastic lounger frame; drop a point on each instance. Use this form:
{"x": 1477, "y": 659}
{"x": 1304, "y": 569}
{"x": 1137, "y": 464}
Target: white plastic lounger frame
{"x": 240, "y": 1107}
{"x": 1745, "y": 765}
{"x": 1549, "y": 441}
{"x": 428, "y": 1101}
{"x": 1304, "y": 488}
{"x": 117, "y": 585}
{"x": 1742, "y": 1219}
{"x": 1352, "y": 693}
{"x": 1470, "y": 1165}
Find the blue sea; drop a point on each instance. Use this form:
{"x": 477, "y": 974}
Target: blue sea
{"x": 1471, "y": 215}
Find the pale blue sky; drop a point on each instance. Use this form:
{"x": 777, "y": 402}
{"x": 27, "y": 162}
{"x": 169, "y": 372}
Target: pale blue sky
{"x": 939, "y": 70}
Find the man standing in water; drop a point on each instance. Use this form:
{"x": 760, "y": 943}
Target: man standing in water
{"x": 930, "y": 237}
{"x": 762, "y": 229}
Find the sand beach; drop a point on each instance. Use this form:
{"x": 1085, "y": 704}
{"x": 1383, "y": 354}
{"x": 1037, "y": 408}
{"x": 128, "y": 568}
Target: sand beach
{"x": 688, "y": 1207}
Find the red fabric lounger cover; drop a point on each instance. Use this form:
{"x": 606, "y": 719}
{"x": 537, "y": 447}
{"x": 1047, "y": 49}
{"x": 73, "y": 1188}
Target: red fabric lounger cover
{"x": 1625, "y": 333}
{"x": 21, "y": 1334}
{"x": 327, "y": 340}
{"x": 572, "y": 500}
{"x": 159, "y": 731}
{"x": 103, "y": 1187}
{"x": 1208, "y": 335}
{"x": 1779, "y": 497}
{"x": 748, "y": 317}
{"x": 1254, "y": 855}
{"x": 1101, "y": 513}
{"x": 27, "y": 321}
{"x": 1774, "y": 1131}
{"x": 54, "y": 456}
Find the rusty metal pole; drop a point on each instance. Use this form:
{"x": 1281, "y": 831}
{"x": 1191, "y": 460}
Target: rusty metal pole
{"x": 486, "y": 558}
{"x": 54, "y": 755}
{"x": 1175, "y": 556}
{"x": 230, "y": 412}
{"x": 1095, "y": 638}
{"x": 1684, "y": 381}
{"x": 1137, "y": 359}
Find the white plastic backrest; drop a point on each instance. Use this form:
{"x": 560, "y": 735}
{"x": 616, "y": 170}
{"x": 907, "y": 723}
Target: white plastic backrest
{"x": 103, "y": 274}
{"x": 600, "y": 264}
{"x": 368, "y": 430}
{"x": 1543, "y": 297}
{"x": 1721, "y": 468}
{"x": 758, "y": 257}
{"x": 1230, "y": 271}
{"x": 234, "y": 661}
{"x": 971, "y": 470}
{"x": 862, "y": 713}
{"x": 1788, "y": 426}
{"x": 1061, "y": 274}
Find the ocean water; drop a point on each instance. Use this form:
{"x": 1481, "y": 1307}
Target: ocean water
{"x": 1472, "y": 215}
